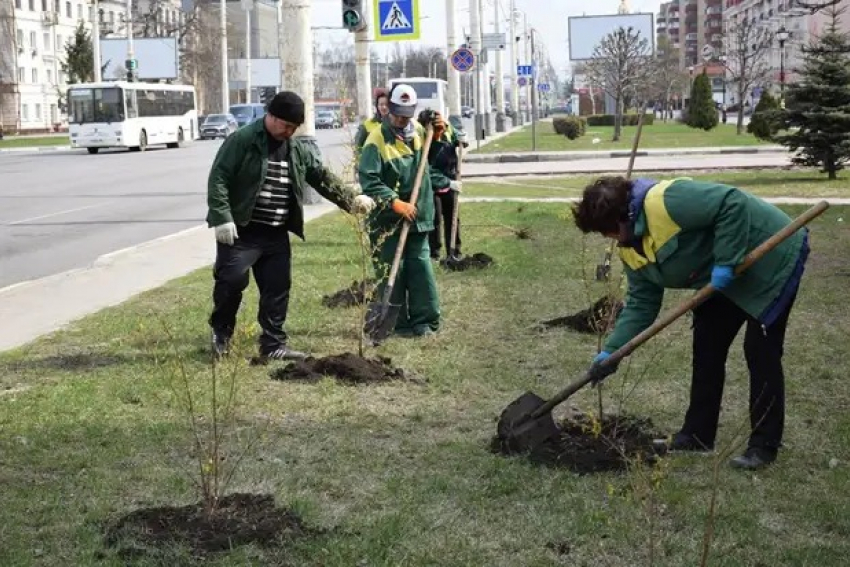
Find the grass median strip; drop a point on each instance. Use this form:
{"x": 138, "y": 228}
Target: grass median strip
{"x": 34, "y": 142}
{"x": 399, "y": 472}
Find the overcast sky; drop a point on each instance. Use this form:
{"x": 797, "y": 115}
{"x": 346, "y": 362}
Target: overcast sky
{"x": 548, "y": 17}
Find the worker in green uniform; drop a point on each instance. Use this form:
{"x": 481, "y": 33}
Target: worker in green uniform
{"x": 685, "y": 234}
{"x": 387, "y": 172}
{"x": 368, "y": 126}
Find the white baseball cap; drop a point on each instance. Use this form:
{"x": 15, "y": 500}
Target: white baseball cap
{"x": 403, "y": 100}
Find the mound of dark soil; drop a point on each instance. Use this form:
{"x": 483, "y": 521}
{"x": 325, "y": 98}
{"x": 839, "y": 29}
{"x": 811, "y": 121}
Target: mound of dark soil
{"x": 355, "y": 294}
{"x": 345, "y": 367}
{"x": 524, "y": 234}
{"x": 616, "y": 441}
{"x": 240, "y": 519}
{"x": 476, "y": 261}
{"x": 592, "y": 320}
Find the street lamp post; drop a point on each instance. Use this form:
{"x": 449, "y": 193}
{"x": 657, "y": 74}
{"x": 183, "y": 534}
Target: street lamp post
{"x": 723, "y": 108}
{"x": 782, "y": 36}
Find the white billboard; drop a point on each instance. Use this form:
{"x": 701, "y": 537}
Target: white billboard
{"x": 587, "y": 31}
{"x": 157, "y": 58}
{"x": 264, "y": 72}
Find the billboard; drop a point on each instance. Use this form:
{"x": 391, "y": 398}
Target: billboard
{"x": 157, "y": 56}
{"x": 586, "y": 32}
{"x": 264, "y": 72}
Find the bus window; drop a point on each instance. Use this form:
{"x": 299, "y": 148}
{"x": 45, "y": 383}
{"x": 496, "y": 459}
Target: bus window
{"x": 80, "y": 106}
{"x": 425, "y": 90}
{"x": 96, "y": 105}
{"x": 130, "y": 101}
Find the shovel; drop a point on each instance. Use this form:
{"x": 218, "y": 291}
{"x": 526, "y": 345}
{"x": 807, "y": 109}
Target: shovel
{"x": 451, "y": 259}
{"x": 527, "y": 421}
{"x": 603, "y": 270}
{"x": 381, "y": 317}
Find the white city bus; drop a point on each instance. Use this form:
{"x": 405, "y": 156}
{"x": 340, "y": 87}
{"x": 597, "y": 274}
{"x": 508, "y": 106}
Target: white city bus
{"x": 430, "y": 93}
{"x": 131, "y": 115}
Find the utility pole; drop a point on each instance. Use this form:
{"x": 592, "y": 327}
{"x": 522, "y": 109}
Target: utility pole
{"x": 225, "y": 83}
{"x": 485, "y": 78}
{"x": 514, "y": 63}
{"x": 527, "y": 61}
{"x": 500, "y": 83}
{"x": 363, "y": 69}
{"x": 95, "y": 42}
{"x": 298, "y": 70}
{"x": 533, "y": 96}
{"x": 475, "y": 44}
{"x": 131, "y": 56}
{"x": 451, "y": 45}
{"x": 248, "y": 5}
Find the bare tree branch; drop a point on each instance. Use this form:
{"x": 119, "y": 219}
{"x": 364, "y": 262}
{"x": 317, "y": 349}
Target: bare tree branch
{"x": 747, "y": 63}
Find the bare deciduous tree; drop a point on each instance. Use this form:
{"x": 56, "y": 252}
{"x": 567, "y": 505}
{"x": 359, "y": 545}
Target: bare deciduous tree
{"x": 621, "y": 67}
{"x": 667, "y": 76}
{"x": 747, "y": 65}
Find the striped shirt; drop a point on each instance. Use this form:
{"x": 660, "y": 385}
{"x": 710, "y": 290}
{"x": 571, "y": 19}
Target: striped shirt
{"x": 272, "y": 206}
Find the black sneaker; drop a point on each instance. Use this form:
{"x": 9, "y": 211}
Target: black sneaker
{"x": 754, "y": 458}
{"x": 220, "y": 344}
{"x": 280, "y": 353}
{"x": 681, "y": 442}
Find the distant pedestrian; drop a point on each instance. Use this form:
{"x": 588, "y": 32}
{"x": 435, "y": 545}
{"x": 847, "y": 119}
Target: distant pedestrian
{"x": 255, "y": 197}
{"x": 382, "y": 109}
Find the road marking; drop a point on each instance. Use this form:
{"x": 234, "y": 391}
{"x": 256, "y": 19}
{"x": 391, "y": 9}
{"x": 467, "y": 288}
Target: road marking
{"x": 56, "y": 214}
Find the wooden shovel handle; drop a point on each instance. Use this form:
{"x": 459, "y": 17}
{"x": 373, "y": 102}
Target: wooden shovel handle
{"x": 692, "y": 303}
{"x": 405, "y": 229}
{"x": 456, "y": 198}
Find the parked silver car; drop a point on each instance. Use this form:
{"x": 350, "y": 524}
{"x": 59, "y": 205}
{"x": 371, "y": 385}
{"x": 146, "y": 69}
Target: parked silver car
{"x": 327, "y": 119}
{"x": 218, "y": 126}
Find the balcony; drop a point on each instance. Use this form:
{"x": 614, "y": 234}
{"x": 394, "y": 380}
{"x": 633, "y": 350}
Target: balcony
{"x": 49, "y": 18}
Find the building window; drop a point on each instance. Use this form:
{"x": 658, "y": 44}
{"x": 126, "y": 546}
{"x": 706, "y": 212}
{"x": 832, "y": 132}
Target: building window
{"x": 37, "y": 112}
{"x": 46, "y": 38}
{"x": 69, "y": 10}
{"x": 22, "y": 75}
{"x": 32, "y": 5}
{"x": 25, "y": 113}
{"x": 34, "y": 76}
{"x": 50, "y": 76}
{"x": 18, "y": 4}
{"x": 80, "y": 15}
{"x": 43, "y": 5}
{"x": 33, "y": 41}
{"x": 59, "y": 44}
{"x": 20, "y": 39}
{"x": 54, "y": 114}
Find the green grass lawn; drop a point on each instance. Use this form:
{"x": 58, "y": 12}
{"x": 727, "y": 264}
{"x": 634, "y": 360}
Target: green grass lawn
{"x": 400, "y": 473}
{"x": 34, "y": 141}
{"x": 764, "y": 183}
{"x": 659, "y": 135}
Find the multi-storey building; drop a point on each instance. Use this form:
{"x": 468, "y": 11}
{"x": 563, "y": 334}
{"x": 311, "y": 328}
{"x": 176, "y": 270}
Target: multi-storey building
{"x": 33, "y": 39}
{"x": 693, "y": 27}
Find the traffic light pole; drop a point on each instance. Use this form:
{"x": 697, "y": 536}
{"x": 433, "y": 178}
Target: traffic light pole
{"x": 363, "y": 71}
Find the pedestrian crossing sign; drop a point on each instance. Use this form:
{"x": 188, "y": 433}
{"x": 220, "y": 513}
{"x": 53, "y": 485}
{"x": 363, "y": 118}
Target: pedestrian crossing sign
{"x": 396, "y": 20}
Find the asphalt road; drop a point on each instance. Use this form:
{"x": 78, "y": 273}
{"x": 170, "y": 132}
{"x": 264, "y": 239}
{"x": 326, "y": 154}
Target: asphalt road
{"x": 62, "y": 210}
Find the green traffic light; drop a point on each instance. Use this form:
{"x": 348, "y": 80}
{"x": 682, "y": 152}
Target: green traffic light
{"x": 351, "y": 18}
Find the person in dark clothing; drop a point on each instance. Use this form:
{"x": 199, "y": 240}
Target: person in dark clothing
{"x": 685, "y": 234}
{"x": 255, "y": 199}
{"x": 443, "y": 159}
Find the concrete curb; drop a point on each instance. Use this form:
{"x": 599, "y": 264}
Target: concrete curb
{"x": 531, "y": 157}
{"x": 483, "y": 175}
{"x": 34, "y": 149}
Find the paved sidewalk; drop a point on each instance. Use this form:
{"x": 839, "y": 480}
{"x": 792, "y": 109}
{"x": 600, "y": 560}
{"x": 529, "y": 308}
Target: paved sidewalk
{"x": 523, "y": 157}
{"x": 620, "y": 164}
{"x": 34, "y": 308}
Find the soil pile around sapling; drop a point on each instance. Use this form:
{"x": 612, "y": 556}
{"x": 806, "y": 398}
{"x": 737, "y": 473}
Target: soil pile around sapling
{"x": 587, "y": 447}
{"x": 478, "y": 260}
{"x": 240, "y": 519}
{"x": 345, "y": 367}
{"x": 355, "y": 294}
{"x": 597, "y": 318}
{"x": 524, "y": 234}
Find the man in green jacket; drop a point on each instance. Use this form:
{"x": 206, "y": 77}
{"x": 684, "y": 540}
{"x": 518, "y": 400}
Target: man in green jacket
{"x": 387, "y": 170}
{"x": 255, "y": 199}
{"x": 444, "y": 159}
{"x": 684, "y": 234}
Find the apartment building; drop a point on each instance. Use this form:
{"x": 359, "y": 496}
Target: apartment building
{"x": 33, "y": 39}
{"x": 694, "y": 27}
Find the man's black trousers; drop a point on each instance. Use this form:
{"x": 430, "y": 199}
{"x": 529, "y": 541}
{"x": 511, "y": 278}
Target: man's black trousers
{"x": 444, "y": 208}
{"x": 266, "y": 251}
{"x": 716, "y": 323}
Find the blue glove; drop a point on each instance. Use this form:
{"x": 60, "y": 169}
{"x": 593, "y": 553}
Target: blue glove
{"x": 599, "y": 371}
{"x": 721, "y": 276}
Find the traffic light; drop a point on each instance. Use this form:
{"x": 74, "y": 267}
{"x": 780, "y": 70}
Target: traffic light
{"x": 266, "y": 95}
{"x": 353, "y": 15}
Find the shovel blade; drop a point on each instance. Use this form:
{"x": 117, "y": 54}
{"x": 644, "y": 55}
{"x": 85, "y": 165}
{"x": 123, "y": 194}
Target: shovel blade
{"x": 380, "y": 321}
{"x": 518, "y": 432}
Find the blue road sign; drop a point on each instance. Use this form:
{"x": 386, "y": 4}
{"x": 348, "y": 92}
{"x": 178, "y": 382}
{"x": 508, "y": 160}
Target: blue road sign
{"x": 522, "y": 81}
{"x": 543, "y": 87}
{"x": 396, "y": 20}
{"x": 524, "y": 70}
{"x": 463, "y": 59}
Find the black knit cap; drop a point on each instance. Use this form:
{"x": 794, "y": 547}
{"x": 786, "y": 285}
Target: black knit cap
{"x": 288, "y": 106}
